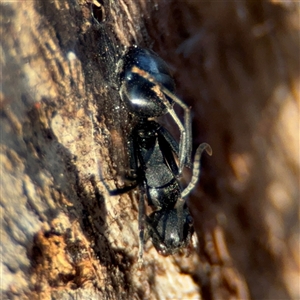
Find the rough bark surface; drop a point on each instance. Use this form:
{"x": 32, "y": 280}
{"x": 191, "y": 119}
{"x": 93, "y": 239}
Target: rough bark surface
{"x": 63, "y": 125}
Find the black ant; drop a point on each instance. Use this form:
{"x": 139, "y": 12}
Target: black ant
{"x": 147, "y": 87}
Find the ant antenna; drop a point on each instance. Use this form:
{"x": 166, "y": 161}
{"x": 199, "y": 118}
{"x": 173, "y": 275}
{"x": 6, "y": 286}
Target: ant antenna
{"x": 196, "y": 168}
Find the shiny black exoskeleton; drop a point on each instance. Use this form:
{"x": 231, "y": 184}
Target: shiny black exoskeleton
{"x": 147, "y": 87}
{"x": 170, "y": 229}
{"x": 170, "y": 225}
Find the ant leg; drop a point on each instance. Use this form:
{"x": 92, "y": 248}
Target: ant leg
{"x": 133, "y": 155}
{"x": 196, "y": 168}
{"x": 118, "y": 191}
{"x": 141, "y": 223}
{"x": 187, "y": 135}
{"x": 143, "y": 188}
{"x": 185, "y": 144}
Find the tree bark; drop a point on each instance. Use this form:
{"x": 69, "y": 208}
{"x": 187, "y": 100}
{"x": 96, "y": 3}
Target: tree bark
{"x": 63, "y": 143}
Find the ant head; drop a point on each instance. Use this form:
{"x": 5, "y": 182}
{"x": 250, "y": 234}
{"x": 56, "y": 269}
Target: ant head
{"x": 142, "y": 96}
{"x": 170, "y": 230}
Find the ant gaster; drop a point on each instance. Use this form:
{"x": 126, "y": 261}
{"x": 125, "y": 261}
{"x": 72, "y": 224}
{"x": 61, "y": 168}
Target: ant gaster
{"x": 147, "y": 88}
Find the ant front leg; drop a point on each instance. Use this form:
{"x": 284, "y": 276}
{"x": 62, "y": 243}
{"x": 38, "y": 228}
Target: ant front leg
{"x": 185, "y": 144}
{"x": 135, "y": 171}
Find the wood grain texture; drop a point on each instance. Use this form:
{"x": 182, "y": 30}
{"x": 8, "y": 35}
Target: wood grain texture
{"x": 63, "y": 123}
